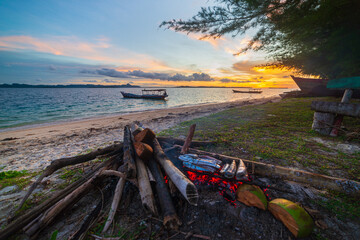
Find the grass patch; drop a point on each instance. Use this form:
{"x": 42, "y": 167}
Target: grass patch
{"x": 19, "y": 178}
{"x": 341, "y": 205}
{"x": 278, "y": 133}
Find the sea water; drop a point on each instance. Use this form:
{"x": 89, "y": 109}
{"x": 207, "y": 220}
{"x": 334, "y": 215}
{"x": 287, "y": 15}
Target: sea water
{"x": 21, "y": 107}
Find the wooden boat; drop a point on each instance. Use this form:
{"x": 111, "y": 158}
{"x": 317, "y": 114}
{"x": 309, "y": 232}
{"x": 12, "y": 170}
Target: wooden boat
{"x": 156, "y": 94}
{"x": 318, "y": 87}
{"x": 248, "y": 91}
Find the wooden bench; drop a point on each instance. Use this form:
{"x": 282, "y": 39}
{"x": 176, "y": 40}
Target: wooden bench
{"x": 328, "y": 116}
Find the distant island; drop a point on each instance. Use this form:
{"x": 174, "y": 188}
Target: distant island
{"x": 18, "y": 85}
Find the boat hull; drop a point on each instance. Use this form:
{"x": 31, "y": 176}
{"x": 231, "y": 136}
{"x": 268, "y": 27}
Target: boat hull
{"x": 148, "y": 96}
{"x": 239, "y": 91}
{"x": 317, "y": 88}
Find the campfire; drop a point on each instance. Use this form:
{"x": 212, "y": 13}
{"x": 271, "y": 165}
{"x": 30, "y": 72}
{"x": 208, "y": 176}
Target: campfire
{"x": 161, "y": 168}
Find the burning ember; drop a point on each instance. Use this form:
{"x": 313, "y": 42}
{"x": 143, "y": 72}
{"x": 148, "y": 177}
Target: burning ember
{"x": 227, "y": 187}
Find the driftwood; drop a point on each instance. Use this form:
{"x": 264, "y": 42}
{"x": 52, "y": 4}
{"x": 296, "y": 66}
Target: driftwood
{"x": 185, "y": 186}
{"x": 147, "y": 196}
{"x": 114, "y": 205}
{"x": 129, "y": 153}
{"x": 315, "y": 180}
{"x": 188, "y": 140}
{"x": 63, "y": 162}
{"x": 18, "y": 223}
{"x": 94, "y": 215}
{"x": 171, "y": 219}
{"x": 47, "y": 217}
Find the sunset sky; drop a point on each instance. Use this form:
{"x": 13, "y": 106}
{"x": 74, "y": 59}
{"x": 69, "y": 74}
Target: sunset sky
{"x": 120, "y": 42}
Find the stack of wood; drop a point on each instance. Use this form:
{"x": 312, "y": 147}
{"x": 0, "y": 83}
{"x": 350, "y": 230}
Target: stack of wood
{"x": 138, "y": 160}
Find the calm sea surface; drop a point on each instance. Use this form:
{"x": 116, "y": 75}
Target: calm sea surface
{"x": 29, "y": 106}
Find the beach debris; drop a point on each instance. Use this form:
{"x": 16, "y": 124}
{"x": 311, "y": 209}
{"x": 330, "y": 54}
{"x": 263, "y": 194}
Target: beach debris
{"x": 230, "y": 171}
{"x": 294, "y": 217}
{"x": 251, "y": 195}
{"x": 55, "y": 165}
{"x": 185, "y": 147}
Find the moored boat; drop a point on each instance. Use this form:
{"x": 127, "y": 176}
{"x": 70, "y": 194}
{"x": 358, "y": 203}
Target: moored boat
{"x": 156, "y": 94}
{"x": 248, "y": 91}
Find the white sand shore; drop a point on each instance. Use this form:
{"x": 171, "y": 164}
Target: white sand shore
{"x": 35, "y": 148}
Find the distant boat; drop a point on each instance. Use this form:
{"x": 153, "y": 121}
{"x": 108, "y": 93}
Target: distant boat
{"x": 156, "y": 94}
{"x": 248, "y": 91}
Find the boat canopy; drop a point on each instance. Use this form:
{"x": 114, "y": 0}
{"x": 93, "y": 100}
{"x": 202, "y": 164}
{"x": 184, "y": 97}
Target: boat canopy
{"x": 343, "y": 83}
{"x": 154, "y": 89}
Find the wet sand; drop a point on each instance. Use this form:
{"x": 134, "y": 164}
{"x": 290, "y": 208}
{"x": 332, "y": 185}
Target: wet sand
{"x": 34, "y": 148}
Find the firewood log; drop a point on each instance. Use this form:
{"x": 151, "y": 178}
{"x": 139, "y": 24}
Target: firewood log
{"x": 251, "y": 195}
{"x": 185, "y": 186}
{"x": 171, "y": 220}
{"x": 147, "y": 196}
{"x": 143, "y": 150}
{"x": 145, "y": 136}
{"x": 129, "y": 155}
{"x": 294, "y": 217}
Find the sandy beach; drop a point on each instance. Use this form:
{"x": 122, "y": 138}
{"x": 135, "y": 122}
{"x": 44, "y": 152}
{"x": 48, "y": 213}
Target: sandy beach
{"x": 34, "y": 148}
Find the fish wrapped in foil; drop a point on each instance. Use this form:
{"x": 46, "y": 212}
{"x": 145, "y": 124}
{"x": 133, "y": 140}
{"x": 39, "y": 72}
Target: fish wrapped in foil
{"x": 203, "y": 163}
{"x": 230, "y": 171}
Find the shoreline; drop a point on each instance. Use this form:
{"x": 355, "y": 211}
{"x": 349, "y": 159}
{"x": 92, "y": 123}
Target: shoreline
{"x": 35, "y": 147}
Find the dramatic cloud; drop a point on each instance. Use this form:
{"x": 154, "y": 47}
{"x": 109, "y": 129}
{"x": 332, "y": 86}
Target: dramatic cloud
{"x": 227, "y": 80}
{"x": 149, "y": 75}
{"x": 110, "y": 81}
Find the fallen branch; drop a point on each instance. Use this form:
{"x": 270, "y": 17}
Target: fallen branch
{"x": 20, "y": 222}
{"x": 94, "y": 215}
{"x": 47, "y": 217}
{"x": 63, "y": 162}
{"x": 116, "y": 200}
